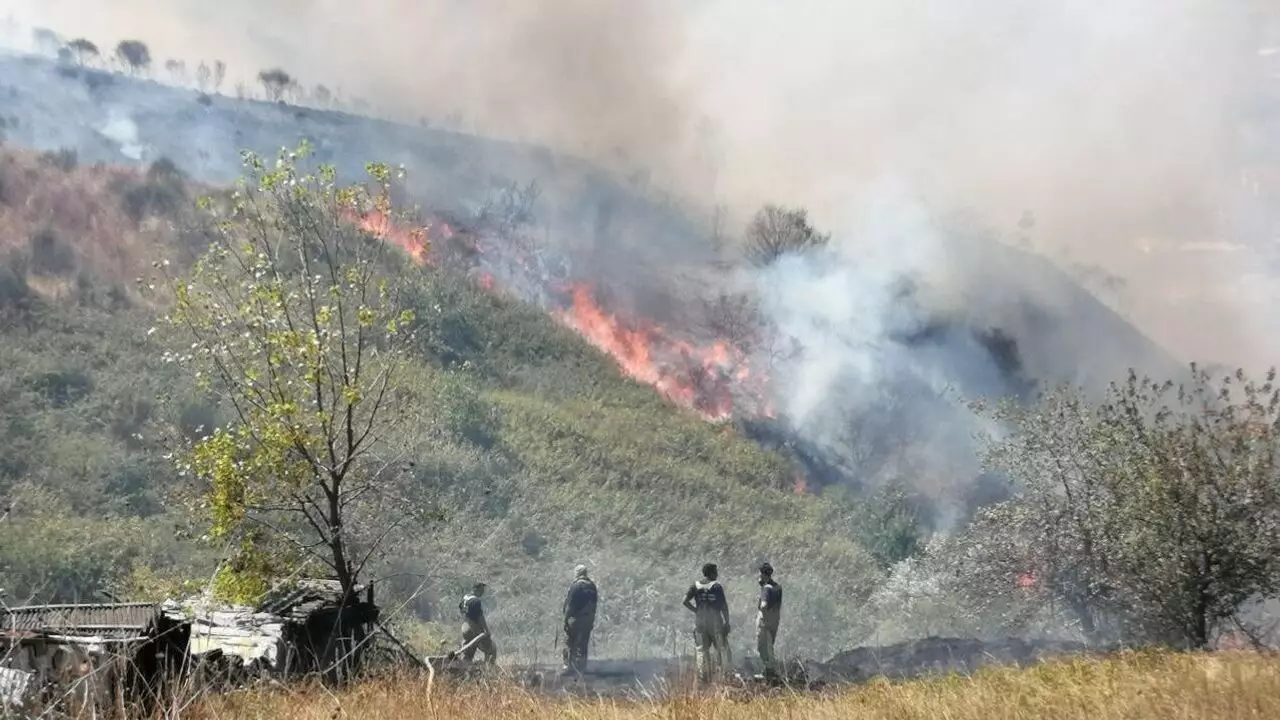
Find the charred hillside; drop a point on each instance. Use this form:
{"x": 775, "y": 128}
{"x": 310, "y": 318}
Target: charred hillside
{"x": 636, "y": 276}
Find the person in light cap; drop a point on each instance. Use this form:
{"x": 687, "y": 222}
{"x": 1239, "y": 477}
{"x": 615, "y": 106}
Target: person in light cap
{"x": 767, "y": 619}
{"x": 579, "y": 619}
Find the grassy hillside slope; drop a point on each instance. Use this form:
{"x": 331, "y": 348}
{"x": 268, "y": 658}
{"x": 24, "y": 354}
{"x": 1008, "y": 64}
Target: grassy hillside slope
{"x": 541, "y": 454}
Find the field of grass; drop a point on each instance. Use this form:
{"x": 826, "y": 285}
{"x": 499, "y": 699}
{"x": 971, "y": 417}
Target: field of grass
{"x": 1134, "y": 686}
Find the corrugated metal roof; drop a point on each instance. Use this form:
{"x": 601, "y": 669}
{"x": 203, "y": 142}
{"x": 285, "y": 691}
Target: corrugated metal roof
{"x": 300, "y": 598}
{"x": 88, "y": 620}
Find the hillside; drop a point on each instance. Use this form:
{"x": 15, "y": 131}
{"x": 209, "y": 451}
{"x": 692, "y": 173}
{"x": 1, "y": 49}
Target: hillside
{"x": 543, "y": 454}
{"x": 548, "y": 456}
{"x": 111, "y": 118}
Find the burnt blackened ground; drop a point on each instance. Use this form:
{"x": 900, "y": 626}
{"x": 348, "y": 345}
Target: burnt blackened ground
{"x": 937, "y": 656}
{"x": 929, "y": 657}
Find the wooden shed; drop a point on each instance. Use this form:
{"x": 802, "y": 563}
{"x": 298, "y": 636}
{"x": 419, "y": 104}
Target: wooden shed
{"x": 103, "y": 654}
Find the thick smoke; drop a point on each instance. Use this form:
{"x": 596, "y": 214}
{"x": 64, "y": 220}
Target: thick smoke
{"x": 1101, "y": 136}
{"x": 834, "y": 305}
{"x": 1109, "y": 124}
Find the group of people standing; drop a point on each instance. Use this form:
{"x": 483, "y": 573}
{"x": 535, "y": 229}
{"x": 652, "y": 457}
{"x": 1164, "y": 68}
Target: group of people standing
{"x": 705, "y": 599}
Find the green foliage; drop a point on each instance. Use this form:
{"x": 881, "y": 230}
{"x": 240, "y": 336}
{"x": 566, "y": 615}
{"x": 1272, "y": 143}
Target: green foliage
{"x": 1154, "y": 514}
{"x": 145, "y": 583}
{"x": 894, "y": 524}
{"x": 49, "y": 553}
{"x": 247, "y": 573}
{"x": 293, "y": 318}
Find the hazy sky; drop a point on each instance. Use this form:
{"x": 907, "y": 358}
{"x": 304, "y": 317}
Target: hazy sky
{"x": 1115, "y": 124}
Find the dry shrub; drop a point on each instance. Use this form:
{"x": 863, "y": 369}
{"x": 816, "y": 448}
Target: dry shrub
{"x": 83, "y": 209}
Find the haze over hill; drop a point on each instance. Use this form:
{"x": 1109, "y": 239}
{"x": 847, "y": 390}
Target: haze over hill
{"x": 1117, "y": 128}
{"x": 928, "y": 309}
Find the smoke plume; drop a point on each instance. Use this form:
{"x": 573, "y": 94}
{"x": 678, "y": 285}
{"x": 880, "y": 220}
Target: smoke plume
{"x": 1111, "y": 125}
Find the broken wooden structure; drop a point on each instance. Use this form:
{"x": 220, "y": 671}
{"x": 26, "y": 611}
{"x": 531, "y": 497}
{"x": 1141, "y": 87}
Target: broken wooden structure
{"x": 105, "y": 655}
{"x": 301, "y": 628}
{"x": 88, "y": 655}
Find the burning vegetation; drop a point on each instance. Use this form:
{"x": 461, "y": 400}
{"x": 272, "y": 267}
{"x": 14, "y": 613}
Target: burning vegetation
{"x": 713, "y": 379}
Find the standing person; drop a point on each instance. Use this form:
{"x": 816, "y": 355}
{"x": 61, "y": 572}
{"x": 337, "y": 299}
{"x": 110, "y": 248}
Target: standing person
{"x": 579, "y": 619}
{"x": 767, "y": 618}
{"x": 474, "y": 623}
{"x": 706, "y": 600}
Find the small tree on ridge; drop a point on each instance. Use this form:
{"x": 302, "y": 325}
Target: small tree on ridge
{"x": 83, "y": 50}
{"x": 134, "y": 55}
{"x": 275, "y": 82}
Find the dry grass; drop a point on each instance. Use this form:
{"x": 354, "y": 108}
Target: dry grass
{"x": 1140, "y": 685}
{"x": 82, "y": 209}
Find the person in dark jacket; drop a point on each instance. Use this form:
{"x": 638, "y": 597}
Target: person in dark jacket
{"x": 706, "y": 600}
{"x": 474, "y": 623}
{"x": 768, "y": 616}
{"x": 579, "y": 619}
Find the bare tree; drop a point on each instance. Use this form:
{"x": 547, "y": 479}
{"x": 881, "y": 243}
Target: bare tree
{"x": 83, "y": 50}
{"x": 275, "y": 82}
{"x": 177, "y": 70}
{"x": 219, "y": 74}
{"x": 204, "y": 77}
{"x": 322, "y": 96}
{"x": 507, "y": 206}
{"x": 46, "y": 41}
{"x": 775, "y": 231}
{"x": 134, "y": 56}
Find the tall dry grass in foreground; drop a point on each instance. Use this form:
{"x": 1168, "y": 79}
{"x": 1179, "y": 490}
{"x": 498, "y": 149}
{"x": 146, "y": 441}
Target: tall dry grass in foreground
{"x": 1132, "y": 686}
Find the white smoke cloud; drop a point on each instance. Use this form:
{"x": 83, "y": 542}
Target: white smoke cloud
{"x": 122, "y": 130}
{"x": 830, "y": 307}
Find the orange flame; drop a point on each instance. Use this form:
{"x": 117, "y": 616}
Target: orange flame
{"x": 378, "y": 224}
{"x": 699, "y": 377}
{"x": 800, "y": 486}
{"x": 695, "y": 377}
